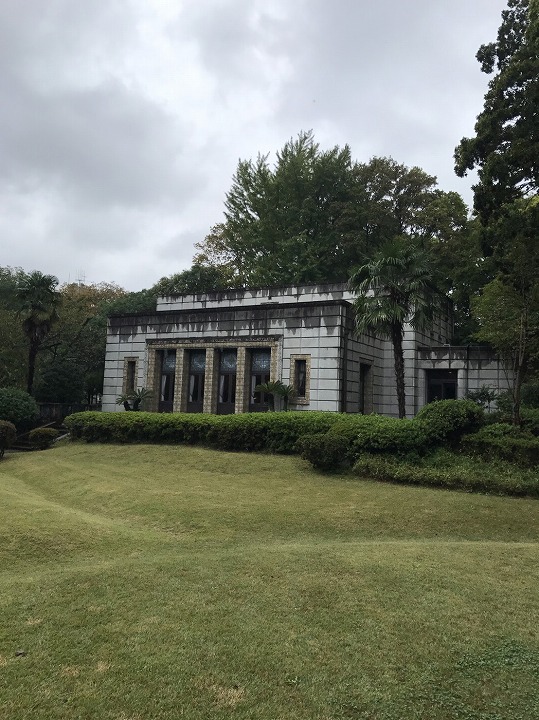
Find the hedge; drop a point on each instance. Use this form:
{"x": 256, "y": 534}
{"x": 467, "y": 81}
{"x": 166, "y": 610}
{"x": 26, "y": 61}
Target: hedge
{"x": 502, "y": 441}
{"x": 42, "y": 438}
{"x": 275, "y": 432}
{"x": 446, "y": 421}
{"x": 446, "y": 469}
{"x": 18, "y": 407}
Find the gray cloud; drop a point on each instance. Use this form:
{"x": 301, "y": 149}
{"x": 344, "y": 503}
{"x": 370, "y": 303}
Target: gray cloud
{"x": 122, "y": 121}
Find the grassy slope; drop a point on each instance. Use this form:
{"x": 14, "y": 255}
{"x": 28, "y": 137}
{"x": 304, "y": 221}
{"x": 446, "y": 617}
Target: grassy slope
{"x": 157, "y": 582}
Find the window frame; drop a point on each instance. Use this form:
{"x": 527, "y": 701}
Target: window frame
{"x": 294, "y": 378}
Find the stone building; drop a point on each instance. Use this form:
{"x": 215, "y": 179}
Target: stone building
{"x": 208, "y": 353}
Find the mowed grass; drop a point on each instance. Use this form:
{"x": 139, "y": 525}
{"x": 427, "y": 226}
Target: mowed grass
{"x": 142, "y": 582}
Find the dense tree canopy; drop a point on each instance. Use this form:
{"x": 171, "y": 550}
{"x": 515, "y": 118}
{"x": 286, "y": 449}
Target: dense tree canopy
{"x": 505, "y": 148}
{"x": 317, "y": 214}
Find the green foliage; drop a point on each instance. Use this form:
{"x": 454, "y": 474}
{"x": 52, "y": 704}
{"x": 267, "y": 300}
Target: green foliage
{"x": 530, "y": 420}
{"x": 505, "y": 148}
{"x": 316, "y": 214}
{"x": 13, "y": 344}
{"x": 503, "y": 442}
{"x": 135, "y": 399}
{"x": 37, "y": 306}
{"x": 446, "y": 421}
{"x": 446, "y": 469}
{"x": 8, "y": 434}
{"x": 133, "y": 303}
{"x": 530, "y": 394}
{"x": 508, "y": 312}
{"x": 329, "y": 451}
{"x": 484, "y": 397}
{"x": 378, "y": 434}
{"x": 18, "y": 407}
{"x": 273, "y": 432}
{"x": 42, "y": 438}
{"x": 60, "y": 381}
{"x": 197, "y": 279}
{"x": 394, "y": 287}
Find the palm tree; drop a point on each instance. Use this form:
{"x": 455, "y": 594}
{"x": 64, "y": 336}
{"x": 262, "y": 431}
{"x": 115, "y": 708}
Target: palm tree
{"x": 38, "y": 302}
{"x": 395, "y": 287}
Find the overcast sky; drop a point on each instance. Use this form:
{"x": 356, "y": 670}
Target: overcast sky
{"x": 122, "y": 121}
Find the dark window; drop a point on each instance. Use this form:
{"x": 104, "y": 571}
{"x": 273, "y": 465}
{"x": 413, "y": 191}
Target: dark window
{"x": 260, "y": 374}
{"x": 227, "y": 382}
{"x": 364, "y": 370}
{"x": 197, "y": 373}
{"x": 130, "y": 375}
{"x": 166, "y": 391}
{"x": 441, "y": 385}
{"x": 300, "y": 378}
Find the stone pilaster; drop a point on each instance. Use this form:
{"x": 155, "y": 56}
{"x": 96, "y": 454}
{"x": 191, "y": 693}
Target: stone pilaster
{"x": 242, "y": 397}
{"x": 210, "y": 381}
{"x": 152, "y": 379}
{"x": 180, "y": 395}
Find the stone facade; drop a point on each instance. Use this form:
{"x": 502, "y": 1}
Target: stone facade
{"x": 303, "y": 336}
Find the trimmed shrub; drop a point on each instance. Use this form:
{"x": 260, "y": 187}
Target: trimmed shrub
{"x": 446, "y": 469}
{"x": 378, "y": 434}
{"x": 502, "y": 441}
{"x": 275, "y": 432}
{"x": 328, "y": 452}
{"x": 446, "y": 421}
{"x": 18, "y": 407}
{"x": 8, "y": 435}
{"x": 42, "y": 438}
{"x": 530, "y": 420}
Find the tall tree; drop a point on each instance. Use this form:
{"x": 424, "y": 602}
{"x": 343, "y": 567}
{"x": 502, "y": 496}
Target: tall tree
{"x": 13, "y": 349}
{"x": 505, "y": 148}
{"x": 71, "y": 363}
{"x": 508, "y": 308}
{"x": 288, "y": 224}
{"x": 38, "y": 302}
{"x": 316, "y": 214}
{"x": 393, "y": 288}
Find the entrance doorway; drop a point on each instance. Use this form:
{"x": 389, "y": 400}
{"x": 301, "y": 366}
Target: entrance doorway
{"x": 226, "y": 400}
{"x": 441, "y": 385}
{"x": 166, "y": 387}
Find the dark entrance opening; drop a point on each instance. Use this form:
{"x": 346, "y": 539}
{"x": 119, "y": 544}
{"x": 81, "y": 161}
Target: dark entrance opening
{"x": 226, "y": 400}
{"x": 197, "y": 374}
{"x": 166, "y": 388}
{"x": 364, "y": 370}
{"x": 441, "y": 385}
{"x": 260, "y": 374}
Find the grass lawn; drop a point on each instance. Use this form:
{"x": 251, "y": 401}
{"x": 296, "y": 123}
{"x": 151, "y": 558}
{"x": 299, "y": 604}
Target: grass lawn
{"x": 151, "y": 582}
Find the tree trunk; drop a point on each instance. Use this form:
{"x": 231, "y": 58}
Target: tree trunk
{"x": 32, "y": 354}
{"x": 519, "y": 367}
{"x": 398, "y": 357}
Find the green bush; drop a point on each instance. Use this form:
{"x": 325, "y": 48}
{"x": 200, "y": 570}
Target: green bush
{"x": 378, "y": 434}
{"x": 274, "y": 432}
{"x": 328, "y": 451}
{"x": 8, "y": 435}
{"x": 502, "y": 441}
{"x": 42, "y": 438}
{"x": 530, "y": 420}
{"x": 530, "y": 394}
{"x": 446, "y": 421}
{"x": 18, "y": 407}
{"x": 447, "y": 469}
